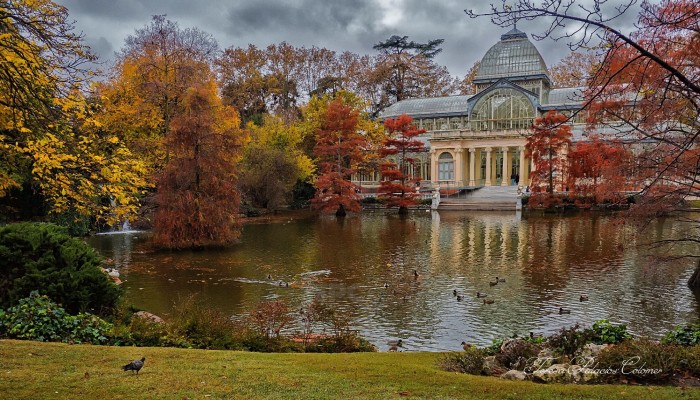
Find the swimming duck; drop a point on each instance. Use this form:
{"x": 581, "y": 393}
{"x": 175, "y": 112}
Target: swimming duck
{"x": 459, "y": 297}
{"x": 466, "y": 346}
{"x": 584, "y": 297}
{"x": 500, "y": 280}
{"x": 489, "y": 301}
{"x": 564, "y": 311}
{"x": 493, "y": 283}
{"x": 480, "y": 295}
{"x": 454, "y": 292}
{"x": 415, "y": 273}
{"x": 386, "y": 285}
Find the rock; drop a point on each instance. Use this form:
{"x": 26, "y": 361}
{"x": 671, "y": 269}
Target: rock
{"x": 583, "y": 374}
{"x": 149, "y": 317}
{"x": 514, "y": 375}
{"x": 592, "y": 350}
{"x": 491, "y": 367}
{"x": 557, "y": 373}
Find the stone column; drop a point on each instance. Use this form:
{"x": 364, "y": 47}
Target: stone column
{"x": 505, "y": 181}
{"x": 433, "y": 167}
{"x": 523, "y": 168}
{"x": 459, "y": 170}
{"x": 488, "y": 167}
{"x": 472, "y": 162}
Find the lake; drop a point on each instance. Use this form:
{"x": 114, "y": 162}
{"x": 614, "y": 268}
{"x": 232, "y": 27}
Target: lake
{"x": 547, "y": 261}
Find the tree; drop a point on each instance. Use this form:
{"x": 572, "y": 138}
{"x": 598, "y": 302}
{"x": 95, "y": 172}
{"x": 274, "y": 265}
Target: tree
{"x": 51, "y": 147}
{"x": 196, "y": 195}
{"x": 647, "y": 88}
{"x": 398, "y": 185}
{"x": 545, "y": 146}
{"x": 467, "y": 85}
{"x": 574, "y": 70}
{"x": 339, "y": 148}
{"x": 157, "y": 65}
{"x": 406, "y": 69}
{"x": 598, "y": 171}
{"x": 273, "y": 161}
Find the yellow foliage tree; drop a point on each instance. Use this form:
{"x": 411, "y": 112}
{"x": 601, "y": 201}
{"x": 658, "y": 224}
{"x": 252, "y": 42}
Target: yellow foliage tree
{"x": 49, "y": 140}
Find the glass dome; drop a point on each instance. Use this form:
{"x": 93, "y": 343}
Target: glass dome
{"x": 514, "y": 56}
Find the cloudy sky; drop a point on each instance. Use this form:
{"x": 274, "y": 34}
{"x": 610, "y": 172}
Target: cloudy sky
{"x": 354, "y": 25}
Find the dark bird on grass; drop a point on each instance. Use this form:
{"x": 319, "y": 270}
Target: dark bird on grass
{"x": 489, "y": 301}
{"x": 584, "y": 297}
{"x": 480, "y": 295}
{"x": 135, "y": 365}
{"x": 564, "y": 311}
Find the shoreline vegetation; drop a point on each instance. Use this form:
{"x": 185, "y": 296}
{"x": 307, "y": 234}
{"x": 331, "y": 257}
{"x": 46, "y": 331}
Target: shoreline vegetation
{"x": 36, "y": 370}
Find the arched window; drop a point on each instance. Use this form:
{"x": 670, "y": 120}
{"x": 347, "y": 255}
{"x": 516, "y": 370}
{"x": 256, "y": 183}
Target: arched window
{"x": 502, "y": 109}
{"x": 446, "y": 167}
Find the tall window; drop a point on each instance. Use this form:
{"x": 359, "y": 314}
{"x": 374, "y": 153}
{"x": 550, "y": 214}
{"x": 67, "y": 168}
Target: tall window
{"x": 502, "y": 109}
{"x": 446, "y": 167}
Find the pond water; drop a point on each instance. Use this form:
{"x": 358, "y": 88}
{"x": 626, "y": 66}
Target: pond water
{"x": 547, "y": 262}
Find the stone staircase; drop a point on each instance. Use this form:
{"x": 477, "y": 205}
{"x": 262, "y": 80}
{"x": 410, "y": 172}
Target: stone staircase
{"x": 486, "y": 198}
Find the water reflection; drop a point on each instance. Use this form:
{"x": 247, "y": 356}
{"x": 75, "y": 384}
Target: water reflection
{"x": 547, "y": 262}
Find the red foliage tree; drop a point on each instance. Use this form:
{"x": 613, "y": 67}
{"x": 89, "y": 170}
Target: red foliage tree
{"x": 339, "y": 148}
{"x": 398, "y": 185}
{"x": 196, "y": 195}
{"x": 550, "y": 137}
{"x": 598, "y": 172}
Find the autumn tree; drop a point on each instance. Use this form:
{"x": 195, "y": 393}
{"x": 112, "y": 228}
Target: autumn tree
{"x": 647, "y": 88}
{"x": 574, "y": 70}
{"x": 546, "y": 147}
{"x": 340, "y": 149}
{"x": 466, "y": 86}
{"x": 154, "y": 69}
{"x": 51, "y": 147}
{"x": 406, "y": 69}
{"x": 398, "y": 185}
{"x": 598, "y": 171}
{"x": 197, "y": 199}
{"x": 273, "y": 162}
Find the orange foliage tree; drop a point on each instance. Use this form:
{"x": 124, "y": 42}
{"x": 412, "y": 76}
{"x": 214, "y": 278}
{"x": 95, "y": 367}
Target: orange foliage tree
{"x": 398, "y": 185}
{"x": 597, "y": 172}
{"x": 197, "y": 200}
{"x": 339, "y": 149}
{"x": 550, "y": 137}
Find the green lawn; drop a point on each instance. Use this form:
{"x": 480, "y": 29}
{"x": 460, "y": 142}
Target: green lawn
{"x": 33, "y": 370}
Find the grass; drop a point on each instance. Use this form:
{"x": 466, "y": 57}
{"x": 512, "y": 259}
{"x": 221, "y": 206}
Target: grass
{"x": 34, "y": 370}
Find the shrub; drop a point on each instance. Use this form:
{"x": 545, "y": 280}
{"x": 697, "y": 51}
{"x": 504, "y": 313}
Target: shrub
{"x": 569, "y": 341}
{"x": 515, "y": 354}
{"x": 688, "y": 335}
{"x": 270, "y": 317}
{"x": 471, "y": 361}
{"x": 603, "y": 332}
{"x": 494, "y": 348}
{"x": 201, "y": 326}
{"x": 39, "y": 318}
{"x": 44, "y": 257}
{"x": 346, "y": 343}
{"x": 642, "y": 360}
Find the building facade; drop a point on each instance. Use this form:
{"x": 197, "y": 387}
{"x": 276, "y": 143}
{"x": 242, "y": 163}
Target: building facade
{"x": 479, "y": 140}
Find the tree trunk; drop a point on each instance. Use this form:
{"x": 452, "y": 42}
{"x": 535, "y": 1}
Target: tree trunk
{"x": 694, "y": 281}
{"x": 341, "y": 211}
{"x": 403, "y": 210}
